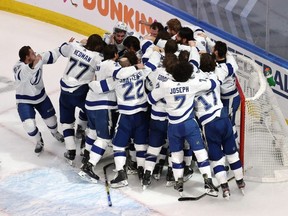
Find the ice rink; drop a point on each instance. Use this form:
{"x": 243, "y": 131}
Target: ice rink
{"x": 47, "y": 185}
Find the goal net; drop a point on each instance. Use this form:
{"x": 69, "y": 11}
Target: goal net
{"x": 262, "y": 126}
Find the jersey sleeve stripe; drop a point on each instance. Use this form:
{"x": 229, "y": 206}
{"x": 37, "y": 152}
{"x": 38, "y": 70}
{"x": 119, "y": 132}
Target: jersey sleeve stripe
{"x": 230, "y": 69}
{"x": 151, "y": 99}
{"x": 194, "y": 63}
{"x": 104, "y": 86}
{"x": 145, "y": 46}
{"x": 51, "y": 59}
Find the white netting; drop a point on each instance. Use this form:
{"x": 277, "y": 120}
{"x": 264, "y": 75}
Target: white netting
{"x": 266, "y": 141}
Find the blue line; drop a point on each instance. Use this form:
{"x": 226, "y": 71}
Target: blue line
{"x": 220, "y": 33}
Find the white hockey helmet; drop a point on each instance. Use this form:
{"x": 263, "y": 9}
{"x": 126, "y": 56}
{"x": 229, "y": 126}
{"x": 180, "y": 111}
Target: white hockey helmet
{"x": 120, "y": 26}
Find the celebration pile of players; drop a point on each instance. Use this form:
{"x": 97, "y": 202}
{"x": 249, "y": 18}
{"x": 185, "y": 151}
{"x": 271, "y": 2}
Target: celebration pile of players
{"x": 167, "y": 98}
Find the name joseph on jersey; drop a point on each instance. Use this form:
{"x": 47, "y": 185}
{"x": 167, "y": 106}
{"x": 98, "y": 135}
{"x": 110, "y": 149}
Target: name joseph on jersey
{"x": 181, "y": 89}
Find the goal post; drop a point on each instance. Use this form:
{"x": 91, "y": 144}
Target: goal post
{"x": 261, "y": 126}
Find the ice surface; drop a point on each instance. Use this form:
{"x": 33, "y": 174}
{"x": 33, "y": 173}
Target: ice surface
{"x": 46, "y": 185}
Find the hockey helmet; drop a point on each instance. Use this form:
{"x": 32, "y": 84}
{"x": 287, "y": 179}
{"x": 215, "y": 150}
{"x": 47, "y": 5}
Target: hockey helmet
{"x": 120, "y": 26}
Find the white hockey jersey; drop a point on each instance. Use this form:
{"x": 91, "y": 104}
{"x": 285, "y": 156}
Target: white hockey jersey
{"x": 179, "y": 96}
{"x": 130, "y": 92}
{"x": 208, "y": 104}
{"x": 107, "y": 100}
{"x": 29, "y": 82}
{"x": 229, "y": 68}
{"x": 154, "y": 79}
{"x": 81, "y": 67}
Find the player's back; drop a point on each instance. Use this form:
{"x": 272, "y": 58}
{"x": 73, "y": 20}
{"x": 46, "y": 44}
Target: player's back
{"x": 107, "y": 100}
{"x": 106, "y": 69}
{"x": 81, "y": 66}
{"x": 160, "y": 75}
{"x": 130, "y": 93}
{"x": 179, "y": 97}
{"x": 208, "y": 104}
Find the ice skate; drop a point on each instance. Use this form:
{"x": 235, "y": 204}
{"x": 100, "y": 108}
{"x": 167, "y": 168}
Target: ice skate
{"x": 158, "y": 170}
{"x": 120, "y": 180}
{"x": 170, "y": 178}
{"x": 188, "y": 172}
{"x": 39, "y": 147}
{"x": 210, "y": 188}
{"x": 146, "y": 179}
{"x": 241, "y": 185}
{"x": 70, "y": 156}
{"x": 86, "y": 157}
{"x": 131, "y": 167}
{"x": 179, "y": 186}
{"x": 87, "y": 173}
{"x": 80, "y": 132}
{"x": 226, "y": 191}
{"x": 82, "y": 146}
{"x": 59, "y": 137}
{"x": 140, "y": 171}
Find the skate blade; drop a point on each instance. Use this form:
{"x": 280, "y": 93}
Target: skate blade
{"x": 156, "y": 176}
{"x": 144, "y": 187}
{"x": 211, "y": 193}
{"x": 227, "y": 197}
{"x": 131, "y": 172}
{"x": 119, "y": 184}
{"x": 85, "y": 177}
{"x": 242, "y": 191}
{"x": 170, "y": 183}
{"x": 70, "y": 162}
{"x": 186, "y": 178}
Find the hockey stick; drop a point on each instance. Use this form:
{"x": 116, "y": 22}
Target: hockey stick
{"x": 107, "y": 184}
{"x": 191, "y": 198}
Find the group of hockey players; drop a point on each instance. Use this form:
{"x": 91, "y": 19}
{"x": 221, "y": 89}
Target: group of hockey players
{"x": 163, "y": 98}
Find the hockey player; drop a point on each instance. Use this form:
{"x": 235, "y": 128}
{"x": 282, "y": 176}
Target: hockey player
{"x": 101, "y": 109}
{"x": 132, "y": 44}
{"x": 120, "y": 32}
{"x": 158, "y": 121}
{"x": 229, "y": 93}
{"x": 154, "y": 29}
{"x": 217, "y": 129}
{"x": 179, "y": 96}
{"x": 80, "y": 70}
{"x": 31, "y": 95}
{"x": 132, "y": 122}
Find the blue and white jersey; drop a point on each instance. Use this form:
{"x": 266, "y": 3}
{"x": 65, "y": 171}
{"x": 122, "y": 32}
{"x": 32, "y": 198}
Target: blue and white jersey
{"x": 81, "y": 67}
{"x": 29, "y": 82}
{"x": 227, "y": 74}
{"x": 208, "y": 104}
{"x": 154, "y": 79}
{"x": 179, "y": 97}
{"x": 130, "y": 92}
{"x": 146, "y": 49}
{"x": 107, "y": 100}
{"x": 229, "y": 68}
